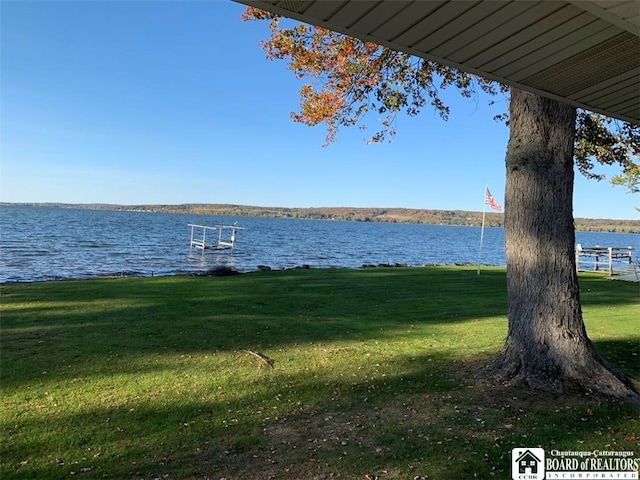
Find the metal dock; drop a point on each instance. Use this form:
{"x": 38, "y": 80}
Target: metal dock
{"x": 602, "y": 258}
{"x": 212, "y": 237}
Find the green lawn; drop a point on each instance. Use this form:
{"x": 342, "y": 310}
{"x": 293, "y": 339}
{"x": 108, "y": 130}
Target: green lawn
{"x": 371, "y": 374}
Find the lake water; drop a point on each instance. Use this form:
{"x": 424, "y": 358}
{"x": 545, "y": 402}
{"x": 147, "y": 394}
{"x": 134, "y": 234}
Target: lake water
{"x": 47, "y": 243}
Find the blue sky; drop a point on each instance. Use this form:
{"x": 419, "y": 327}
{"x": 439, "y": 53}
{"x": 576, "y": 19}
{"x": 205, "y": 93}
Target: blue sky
{"x": 173, "y": 102}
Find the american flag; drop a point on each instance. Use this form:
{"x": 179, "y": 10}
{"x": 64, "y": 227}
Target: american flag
{"x": 488, "y": 200}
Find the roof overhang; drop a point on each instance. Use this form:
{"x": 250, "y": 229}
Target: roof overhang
{"x": 582, "y": 52}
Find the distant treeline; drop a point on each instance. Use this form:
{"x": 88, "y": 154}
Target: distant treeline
{"x": 389, "y": 215}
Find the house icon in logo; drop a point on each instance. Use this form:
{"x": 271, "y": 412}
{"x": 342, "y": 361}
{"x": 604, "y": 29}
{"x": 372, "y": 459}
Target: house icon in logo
{"x": 528, "y": 462}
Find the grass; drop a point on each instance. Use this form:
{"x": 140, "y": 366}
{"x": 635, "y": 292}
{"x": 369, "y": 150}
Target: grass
{"x": 372, "y": 374}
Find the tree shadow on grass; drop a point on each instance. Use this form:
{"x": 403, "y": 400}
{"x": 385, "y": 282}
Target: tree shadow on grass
{"x": 89, "y": 320}
{"x": 423, "y": 418}
{"x": 624, "y": 354}
{"x": 371, "y": 376}
{"x": 73, "y": 328}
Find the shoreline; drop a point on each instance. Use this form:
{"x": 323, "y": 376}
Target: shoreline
{"x": 227, "y": 271}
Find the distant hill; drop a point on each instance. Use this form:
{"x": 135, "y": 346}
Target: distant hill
{"x": 390, "y": 215}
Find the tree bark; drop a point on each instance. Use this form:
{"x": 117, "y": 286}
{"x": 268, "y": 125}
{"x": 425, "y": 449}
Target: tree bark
{"x": 547, "y": 343}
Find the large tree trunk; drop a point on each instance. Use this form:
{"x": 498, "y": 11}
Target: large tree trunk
{"x": 547, "y": 344}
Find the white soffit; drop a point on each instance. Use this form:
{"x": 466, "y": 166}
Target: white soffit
{"x": 583, "y": 52}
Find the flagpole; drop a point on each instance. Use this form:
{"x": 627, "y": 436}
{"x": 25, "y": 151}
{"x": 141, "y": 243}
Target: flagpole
{"x": 484, "y": 212}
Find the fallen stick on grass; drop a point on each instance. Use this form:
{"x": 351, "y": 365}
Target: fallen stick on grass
{"x": 262, "y": 358}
